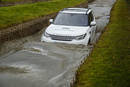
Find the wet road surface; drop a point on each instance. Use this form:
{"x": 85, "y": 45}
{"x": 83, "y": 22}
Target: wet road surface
{"x": 36, "y": 64}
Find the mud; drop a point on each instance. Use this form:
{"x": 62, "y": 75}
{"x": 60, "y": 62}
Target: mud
{"x": 49, "y": 64}
{"x": 24, "y": 29}
{"x": 6, "y": 3}
{"x": 15, "y": 70}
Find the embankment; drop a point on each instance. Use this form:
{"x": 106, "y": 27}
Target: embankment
{"x": 109, "y": 63}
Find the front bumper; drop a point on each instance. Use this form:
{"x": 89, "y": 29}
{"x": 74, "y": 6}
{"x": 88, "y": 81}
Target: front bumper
{"x": 83, "y": 41}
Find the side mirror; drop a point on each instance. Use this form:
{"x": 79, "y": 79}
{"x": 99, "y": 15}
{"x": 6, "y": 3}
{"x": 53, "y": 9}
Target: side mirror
{"x": 93, "y": 23}
{"x": 51, "y": 21}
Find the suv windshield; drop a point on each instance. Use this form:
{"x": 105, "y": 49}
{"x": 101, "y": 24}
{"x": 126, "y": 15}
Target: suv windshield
{"x": 70, "y": 19}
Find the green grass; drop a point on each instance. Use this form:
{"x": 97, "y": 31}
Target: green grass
{"x": 109, "y": 63}
{"x": 21, "y": 13}
{"x": 11, "y": 0}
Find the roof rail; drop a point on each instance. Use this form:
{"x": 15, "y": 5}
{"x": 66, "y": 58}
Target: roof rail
{"x": 84, "y": 9}
{"x": 73, "y": 9}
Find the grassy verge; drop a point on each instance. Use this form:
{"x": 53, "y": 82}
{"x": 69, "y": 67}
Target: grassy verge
{"x": 109, "y": 63}
{"x": 21, "y": 13}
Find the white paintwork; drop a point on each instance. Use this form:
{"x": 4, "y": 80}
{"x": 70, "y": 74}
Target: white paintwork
{"x": 62, "y": 30}
{"x": 75, "y": 10}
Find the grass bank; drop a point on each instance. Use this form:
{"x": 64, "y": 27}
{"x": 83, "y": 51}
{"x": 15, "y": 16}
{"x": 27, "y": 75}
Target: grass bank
{"x": 109, "y": 63}
{"x": 20, "y": 13}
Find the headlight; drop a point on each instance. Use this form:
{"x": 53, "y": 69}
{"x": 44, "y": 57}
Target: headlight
{"x": 46, "y": 34}
{"x": 80, "y": 37}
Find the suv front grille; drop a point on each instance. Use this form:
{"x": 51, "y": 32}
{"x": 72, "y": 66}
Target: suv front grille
{"x": 62, "y": 38}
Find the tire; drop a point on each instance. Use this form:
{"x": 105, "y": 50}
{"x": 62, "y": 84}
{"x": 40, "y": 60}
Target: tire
{"x": 89, "y": 42}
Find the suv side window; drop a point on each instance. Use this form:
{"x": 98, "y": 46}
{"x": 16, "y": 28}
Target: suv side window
{"x": 91, "y": 18}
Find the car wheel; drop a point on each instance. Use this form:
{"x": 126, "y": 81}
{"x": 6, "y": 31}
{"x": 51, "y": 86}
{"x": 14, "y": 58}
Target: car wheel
{"x": 89, "y": 42}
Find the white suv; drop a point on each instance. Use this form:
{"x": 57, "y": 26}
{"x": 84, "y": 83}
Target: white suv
{"x": 72, "y": 26}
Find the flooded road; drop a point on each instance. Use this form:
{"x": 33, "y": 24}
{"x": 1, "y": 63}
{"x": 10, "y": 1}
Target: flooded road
{"x": 36, "y": 64}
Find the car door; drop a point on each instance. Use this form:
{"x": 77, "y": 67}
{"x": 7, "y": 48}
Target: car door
{"x": 93, "y": 28}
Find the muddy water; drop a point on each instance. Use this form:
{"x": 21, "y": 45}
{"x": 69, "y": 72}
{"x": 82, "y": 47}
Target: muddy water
{"x": 36, "y": 64}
